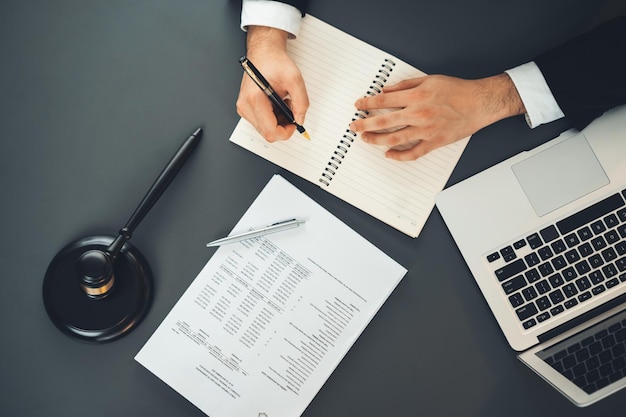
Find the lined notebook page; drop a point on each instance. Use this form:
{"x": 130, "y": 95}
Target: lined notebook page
{"x": 338, "y": 69}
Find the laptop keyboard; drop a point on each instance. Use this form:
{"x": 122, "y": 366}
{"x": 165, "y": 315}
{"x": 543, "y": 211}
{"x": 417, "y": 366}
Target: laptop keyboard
{"x": 565, "y": 264}
{"x": 594, "y": 359}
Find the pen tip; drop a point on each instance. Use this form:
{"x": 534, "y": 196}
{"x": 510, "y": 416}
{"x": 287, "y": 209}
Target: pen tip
{"x": 302, "y": 131}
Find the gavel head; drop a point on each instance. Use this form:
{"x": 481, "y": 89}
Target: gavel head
{"x": 95, "y": 273}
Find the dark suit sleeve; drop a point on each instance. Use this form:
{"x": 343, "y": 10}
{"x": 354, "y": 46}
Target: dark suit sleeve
{"x": 587, "y": 75}
{"x": 299, "y": 4}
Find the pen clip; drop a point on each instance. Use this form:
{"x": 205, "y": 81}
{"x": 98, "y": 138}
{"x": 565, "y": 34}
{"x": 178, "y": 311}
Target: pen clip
{"x": 281, "y": 222}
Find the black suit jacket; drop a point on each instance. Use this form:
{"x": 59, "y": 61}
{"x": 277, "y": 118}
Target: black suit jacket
{"x": 299, "y": 4}
{"x": 587, "y": 75}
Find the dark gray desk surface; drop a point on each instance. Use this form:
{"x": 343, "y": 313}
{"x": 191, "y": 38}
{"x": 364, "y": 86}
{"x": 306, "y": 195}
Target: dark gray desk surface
{"x": 95, "y": 96}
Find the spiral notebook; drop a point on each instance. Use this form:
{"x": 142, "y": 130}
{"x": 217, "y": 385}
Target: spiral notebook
{"x": 338, "y": 69}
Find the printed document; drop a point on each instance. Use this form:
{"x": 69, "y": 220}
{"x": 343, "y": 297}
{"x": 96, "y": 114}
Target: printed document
{"x": 267, "y": 320}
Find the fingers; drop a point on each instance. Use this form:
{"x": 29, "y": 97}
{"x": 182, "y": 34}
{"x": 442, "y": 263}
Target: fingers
{"x": 411, "y": 154}
{"x": 403, "y": 144}
{"x": 370, "y": 126}
{"x": 399, "y": 137}
{"x": 409, "y": 142}
{"x": 405, "y": 84}
{"x": 387, "y": 100}
{"x": 381, "y": 101}
{"x": 254, "y": 106}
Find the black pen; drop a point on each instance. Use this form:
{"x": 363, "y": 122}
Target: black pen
{"x": 264, "y": 85}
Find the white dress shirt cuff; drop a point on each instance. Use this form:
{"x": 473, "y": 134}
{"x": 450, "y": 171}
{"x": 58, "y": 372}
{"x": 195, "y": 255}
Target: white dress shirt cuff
{"x": 272, "y": 14}
{"x": 541, "y": 107}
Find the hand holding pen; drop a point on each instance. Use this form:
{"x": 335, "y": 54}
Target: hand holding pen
{"x": 285, "y": 79}
{"x": 265, "y": 86}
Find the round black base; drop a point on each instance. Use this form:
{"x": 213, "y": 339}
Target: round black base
{"x": 97, "y": 319}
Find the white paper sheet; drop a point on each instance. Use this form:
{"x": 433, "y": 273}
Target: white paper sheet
{"x": 267, "y": 320}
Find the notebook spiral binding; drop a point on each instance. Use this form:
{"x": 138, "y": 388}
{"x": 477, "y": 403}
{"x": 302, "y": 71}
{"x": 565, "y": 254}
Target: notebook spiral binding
{"x": 336, "y": 159}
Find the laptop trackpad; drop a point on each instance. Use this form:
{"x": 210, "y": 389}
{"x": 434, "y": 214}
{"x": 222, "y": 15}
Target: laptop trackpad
{"x": 560, "y": 174}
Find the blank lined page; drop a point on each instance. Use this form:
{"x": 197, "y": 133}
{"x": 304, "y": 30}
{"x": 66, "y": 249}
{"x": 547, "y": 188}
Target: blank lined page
{"x": 338, "y": 69}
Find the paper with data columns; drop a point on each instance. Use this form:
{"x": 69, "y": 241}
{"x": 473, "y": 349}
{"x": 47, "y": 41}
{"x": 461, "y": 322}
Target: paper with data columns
{"x": 266, "y": 321}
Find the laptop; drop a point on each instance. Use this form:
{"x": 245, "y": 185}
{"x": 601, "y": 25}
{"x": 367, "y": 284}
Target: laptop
{"x": 544, "y": 235}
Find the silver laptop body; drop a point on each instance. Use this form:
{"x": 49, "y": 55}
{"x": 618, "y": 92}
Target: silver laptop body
{"x": 547, "y": 272}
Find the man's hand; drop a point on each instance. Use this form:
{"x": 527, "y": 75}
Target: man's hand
{"x": 433, "y": 111}
{"x": 267, "y": 49}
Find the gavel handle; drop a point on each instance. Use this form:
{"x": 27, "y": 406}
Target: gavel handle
{"x": 155, "y": 192}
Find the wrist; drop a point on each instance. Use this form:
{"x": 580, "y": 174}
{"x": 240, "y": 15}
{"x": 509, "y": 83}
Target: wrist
{"x": 514, "y": 106}
{"x": 500, "y": 97}
{"x": 264, "y": 38}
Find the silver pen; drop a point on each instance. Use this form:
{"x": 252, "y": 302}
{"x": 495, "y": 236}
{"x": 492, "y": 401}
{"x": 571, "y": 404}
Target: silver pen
{"x": 272, "y": 228}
